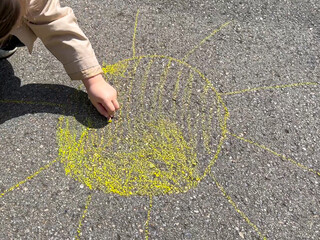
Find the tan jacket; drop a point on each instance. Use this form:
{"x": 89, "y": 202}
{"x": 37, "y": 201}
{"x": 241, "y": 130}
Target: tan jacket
{"x": 57, "y": 28}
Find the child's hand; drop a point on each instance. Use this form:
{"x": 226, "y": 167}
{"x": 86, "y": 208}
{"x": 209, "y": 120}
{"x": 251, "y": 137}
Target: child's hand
{"x": 102, "y": 95}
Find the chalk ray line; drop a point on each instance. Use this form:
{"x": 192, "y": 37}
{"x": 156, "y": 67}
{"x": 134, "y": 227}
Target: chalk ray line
{"x": 215, "y": 158}
{"x": 88, "y": 201}
{"x": 283, "y": 157}
{"x": 206, "y": 39}
{"x": 205, "y": 119}
{"x": 134, "y": 34}
{"x": 144, "y": 85}
{"x": 234, "y": 205}
{"x": 188, "y": 93}
{"x": 163, "y": 80}
{"x": 148, "y": 218}
{"x": 31, "y": 103}
{"x": 185, "y": 58}
{"x": 28, "y": 178}
{"x": 175, "y": 91}
{"x": 132, "y": 77}
{"x": 269, "y": 87}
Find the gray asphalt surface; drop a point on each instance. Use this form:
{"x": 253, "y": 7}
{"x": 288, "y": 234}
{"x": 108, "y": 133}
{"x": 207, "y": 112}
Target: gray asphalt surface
{"x": 269, "y": 43}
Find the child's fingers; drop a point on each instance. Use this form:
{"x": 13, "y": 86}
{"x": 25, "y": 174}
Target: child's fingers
{"x": 108, "y": 105}
{"x": 102, "y": 110}
{"x": 116, "y": 104}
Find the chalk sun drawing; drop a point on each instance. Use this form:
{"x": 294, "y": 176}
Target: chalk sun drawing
{"x": 152, "y": 149}
{"x": 167, "y": 136}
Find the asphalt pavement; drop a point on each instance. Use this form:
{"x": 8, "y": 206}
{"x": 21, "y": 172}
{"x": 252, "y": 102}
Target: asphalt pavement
{"x": 251, "y": 119}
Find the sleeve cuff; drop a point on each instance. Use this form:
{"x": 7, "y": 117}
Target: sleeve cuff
{"x": 91, "y": 72}
{"x": 89, "y": 67}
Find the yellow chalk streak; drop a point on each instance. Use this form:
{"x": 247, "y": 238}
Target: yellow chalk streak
{"x": 83, "y": 216}
{"x": 32, "y": 103}
{"x": 133, "y": 172}
{"x": 188, "y": 92}
{"x": 277, "y": 154}
{"x": 175, "y": 92}
{"x": 144, "y": 81}
{"x": 134, "y": 35}
{"x": 213, "y": 161}
{"x": 206, "y": 39}
{"x": 225, "y": 194}
{"x": 114, "y": 71}
{"x": 132, "y": 74}
{"x": 148, "y": 218}
{"x": 28, "y": 178}
{"x": 205, "y": 123}
{"x": 163, "y": 80}
{"x": 270, "y": 87}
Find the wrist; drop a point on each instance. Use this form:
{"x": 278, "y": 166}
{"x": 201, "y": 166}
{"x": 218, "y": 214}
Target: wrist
{"x": 92, "y": 80}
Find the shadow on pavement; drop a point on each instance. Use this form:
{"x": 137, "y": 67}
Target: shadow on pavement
{"x": 17, "y": 100}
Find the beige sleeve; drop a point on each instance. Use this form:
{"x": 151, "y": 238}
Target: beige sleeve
{"x": 57, "y": 28}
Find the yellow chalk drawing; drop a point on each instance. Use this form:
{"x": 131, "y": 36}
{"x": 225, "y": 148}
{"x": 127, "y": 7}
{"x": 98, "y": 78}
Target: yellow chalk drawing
{"x": 277, "y": 154}
{"x": 32, "y": 103}
{"x": 159, "y": 161}
{"x": 28, "y": 178}
{"x": 134, "y": 35}
{"x": 83, "y": 216}
{"x": 271, "y": 87}
{"x": 151, "y": 151}
{"x": 166, "y": 138}
{"x": 242, "y": 214}
{"x": 214, "y": 32}
{"x": 148, "y": 218}
{"x": 117, "y": 69}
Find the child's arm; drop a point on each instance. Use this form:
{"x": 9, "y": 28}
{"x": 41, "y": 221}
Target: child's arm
{"x": 57, "y": 28}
